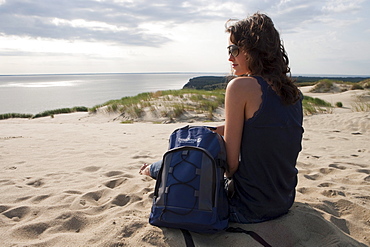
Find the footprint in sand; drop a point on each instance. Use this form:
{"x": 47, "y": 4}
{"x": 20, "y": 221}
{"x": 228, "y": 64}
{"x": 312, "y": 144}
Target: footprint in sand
{"x": 121, "y": 200}
{"x": 113, "y": 173}
{"x": 325, "y": 185}
{"x": 366, "y": 171}
{"x": 38, "y": 199}
{"x": 17, "y": 213}
{"x": 21, "y": 199}
{"x": 117, "y": 173}
{"x": 71, "y": 222}
{"x": 3, "y": 208}
{"x": 338, "y": 166}
{"x": 91, "y": 199}
{"x": 36, "y": 183}
{"x": 73, "y": 192}
{"x": 91, "y": 168}
{"x": 31, "y": 231}
{"x": 312, "y": 177}
{"x": 115, "y": 183}
{"x": 93, "y": 196}
{"x": 7, "y": 182}
{"x": 302, "y": 190}
{"x": 325, "y": 170}
{"x": 306, "y": 190}
{"x": 332, "y": 193}
{"x": 130, "y": 229}
{"x": 141, "y": 157}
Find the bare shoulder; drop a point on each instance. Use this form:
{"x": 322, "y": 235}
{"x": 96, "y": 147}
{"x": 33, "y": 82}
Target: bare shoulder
{"x": 243, "y": 85}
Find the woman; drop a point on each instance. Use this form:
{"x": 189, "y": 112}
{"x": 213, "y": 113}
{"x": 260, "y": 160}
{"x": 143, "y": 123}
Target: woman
{"x": 263, "y": 123}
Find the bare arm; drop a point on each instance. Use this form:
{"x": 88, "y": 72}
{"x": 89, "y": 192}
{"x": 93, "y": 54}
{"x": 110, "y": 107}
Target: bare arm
{"x": 234, "y": 119}
{"x": 243, "y": 97}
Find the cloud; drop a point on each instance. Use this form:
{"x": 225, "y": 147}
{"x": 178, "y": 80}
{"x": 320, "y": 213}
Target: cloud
{"x": 123, "y": 22}
{"x": 77, "y": 20}
{"x": 108, "y": 21}
{"x": 343, "y": 6}
{"x": 136, "y": 31}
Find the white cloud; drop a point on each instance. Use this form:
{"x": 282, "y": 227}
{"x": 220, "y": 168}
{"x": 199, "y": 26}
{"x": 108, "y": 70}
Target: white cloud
{"x": 342, "y": 6}
{"x": 144, "y": 35}
{"x": 93, "y": 25}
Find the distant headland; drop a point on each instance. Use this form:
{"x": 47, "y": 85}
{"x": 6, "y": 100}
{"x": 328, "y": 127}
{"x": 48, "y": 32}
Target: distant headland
{"x": 216, "y": 82}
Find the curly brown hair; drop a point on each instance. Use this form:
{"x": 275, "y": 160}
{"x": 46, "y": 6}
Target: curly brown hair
{"x": 266, "y": 56}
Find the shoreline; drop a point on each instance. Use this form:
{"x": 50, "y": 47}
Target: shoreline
{"x": 47, "y": 84}
{"x": 349, "y": 101}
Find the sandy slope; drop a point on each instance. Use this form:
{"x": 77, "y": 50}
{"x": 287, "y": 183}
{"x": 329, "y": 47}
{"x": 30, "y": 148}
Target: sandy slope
{"x": 73, "y": 180}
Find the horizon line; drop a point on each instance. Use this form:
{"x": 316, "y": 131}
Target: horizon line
{"x": 220, "y": 73}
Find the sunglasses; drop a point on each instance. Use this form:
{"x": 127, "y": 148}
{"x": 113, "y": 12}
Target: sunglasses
{"x": 233, "y": 50}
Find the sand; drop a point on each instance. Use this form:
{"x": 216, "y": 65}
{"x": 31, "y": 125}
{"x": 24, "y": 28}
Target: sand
{"x": 73, "y": 180}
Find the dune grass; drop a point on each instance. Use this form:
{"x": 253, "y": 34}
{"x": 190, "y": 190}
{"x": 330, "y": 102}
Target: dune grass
{"x": 327, "y": 85}
{"x": 313, "y": 105}
{"x": 15, "y": 115}
{"x": 61, "y": 111}
{"x": 45, "y": 113}
{"x": 179, "y": 101}
{"x": 174, "y": 103}
{"x": 359, "y": 105}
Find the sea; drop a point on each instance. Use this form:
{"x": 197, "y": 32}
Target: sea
{"x": 32, "y": 94}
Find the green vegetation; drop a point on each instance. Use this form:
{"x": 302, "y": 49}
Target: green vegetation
{"x": 315, "y": 79}
{"x": 360, "y": 106}
{"x": 328, "y": 84}
{"x": 357, "y": 86}
{"x": 175, "y": 103}
{"x": 45, "y": 113}
{"x": 315, "y": 105}
{"x": 220, "y": 82}
{"x": 365, "y": 83}
{"x": 169, "y": 103}
{"x": 208, "y": 82}
{"x": 15, "y": 115}
{"x": 127, "y": 122}
{"x": 316, "y": 101}
{"x": 61, "y": 111}
{"x": 194, "y": 98}
{"x": 323, "y": 86}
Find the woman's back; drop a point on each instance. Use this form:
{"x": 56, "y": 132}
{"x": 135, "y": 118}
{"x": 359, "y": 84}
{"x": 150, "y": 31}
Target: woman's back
{"x": 271, "y": 140}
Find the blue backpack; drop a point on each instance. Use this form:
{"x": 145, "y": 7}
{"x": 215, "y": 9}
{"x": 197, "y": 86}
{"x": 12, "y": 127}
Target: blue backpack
{"x": 189, "y": 192}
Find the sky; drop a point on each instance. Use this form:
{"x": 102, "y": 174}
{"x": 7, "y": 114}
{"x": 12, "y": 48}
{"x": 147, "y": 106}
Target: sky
{"x": 321, "y": 37}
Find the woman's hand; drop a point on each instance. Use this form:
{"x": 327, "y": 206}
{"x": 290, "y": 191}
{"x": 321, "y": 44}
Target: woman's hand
{"x": 219, "y": 129}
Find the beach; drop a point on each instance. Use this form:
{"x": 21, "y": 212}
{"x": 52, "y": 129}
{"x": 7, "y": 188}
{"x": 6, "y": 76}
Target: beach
{"x": 72, "y": 180}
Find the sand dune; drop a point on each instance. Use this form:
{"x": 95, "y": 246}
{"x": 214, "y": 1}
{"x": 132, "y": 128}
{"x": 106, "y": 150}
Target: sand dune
{"x": 73, "y": 180}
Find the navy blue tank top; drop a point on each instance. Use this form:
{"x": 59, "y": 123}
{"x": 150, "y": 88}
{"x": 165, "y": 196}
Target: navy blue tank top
{"x": 266, "y": 178}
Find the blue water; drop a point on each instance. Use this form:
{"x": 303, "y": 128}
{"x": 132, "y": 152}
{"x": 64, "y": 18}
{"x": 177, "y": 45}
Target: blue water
{"x": 36, "y": 93}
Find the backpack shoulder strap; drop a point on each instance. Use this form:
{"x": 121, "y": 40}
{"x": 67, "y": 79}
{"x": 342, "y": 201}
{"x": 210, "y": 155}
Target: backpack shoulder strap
{"x": 188, "y": 238}
{"x": 254, "y": 235}
{"x": 190, "y": 243}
